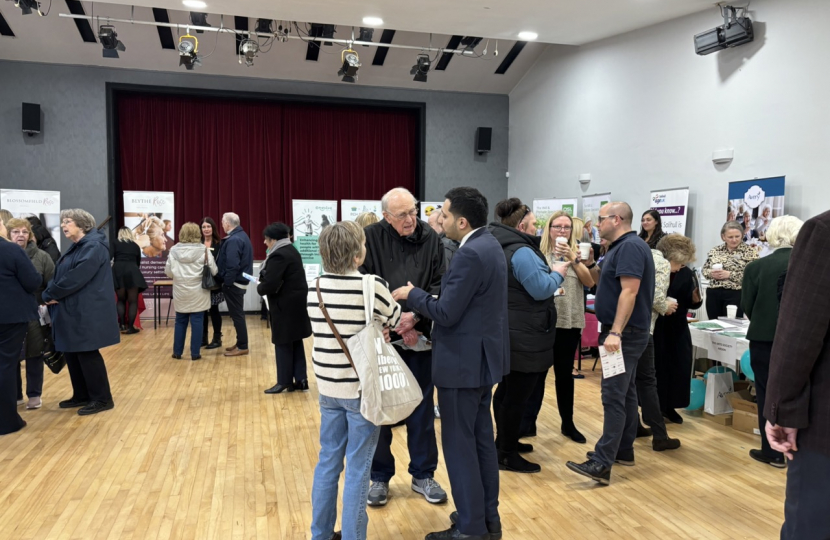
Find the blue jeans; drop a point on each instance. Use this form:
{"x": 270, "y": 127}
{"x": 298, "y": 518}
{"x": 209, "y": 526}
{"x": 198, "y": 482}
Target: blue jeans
{"x": 196, "y": 331}
{"x": 343, "y": 433}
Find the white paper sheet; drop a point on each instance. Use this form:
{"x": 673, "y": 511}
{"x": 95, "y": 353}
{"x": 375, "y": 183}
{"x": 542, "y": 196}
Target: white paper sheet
{"x": 613, "y": 364}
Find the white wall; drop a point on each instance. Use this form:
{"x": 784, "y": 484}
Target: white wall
{"x": 642, "y": 111}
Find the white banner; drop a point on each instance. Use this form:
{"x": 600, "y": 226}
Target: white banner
{"x": 428, "y": 208}
{"x": 350, "y": 209}
{"x": 544, "y": 208}
{"x": 591, "y": 205}
{"x": 310, "y": 218}
{"x": 45, "y": 205}
{"x": 673, "y": 207}
{"x": 151, "y": 216}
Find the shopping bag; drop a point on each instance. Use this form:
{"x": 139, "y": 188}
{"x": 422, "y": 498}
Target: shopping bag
{"x": 717, "y": 386}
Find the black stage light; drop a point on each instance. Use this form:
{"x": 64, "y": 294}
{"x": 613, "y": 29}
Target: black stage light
{"x": 421, "y": 68}
{"x": 366, "y": 34}
{"x": 109, "y": 39}
{"x": 26, "y": 6}
{"x": 327, "y": 32}
{"x": 264, "y": 26}
{"x": 188, "y": 49}
{"x": 198, "y": 19}
{"x": 351, "y": 63}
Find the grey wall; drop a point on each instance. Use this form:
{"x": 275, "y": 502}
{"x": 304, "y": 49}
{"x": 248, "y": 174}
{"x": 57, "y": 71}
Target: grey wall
{"x": 71, "y": 153}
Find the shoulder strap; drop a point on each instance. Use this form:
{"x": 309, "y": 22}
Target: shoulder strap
{"x": 206, "y": 252}
{"x": 331, "y": 325}
{"x": 369, "y": 297}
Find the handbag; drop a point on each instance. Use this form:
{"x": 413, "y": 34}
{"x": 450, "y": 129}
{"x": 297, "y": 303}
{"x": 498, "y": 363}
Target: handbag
{"x": 53, "y": 359}
{"x": 388, "y": 390}
{"x": 208, "y": 281}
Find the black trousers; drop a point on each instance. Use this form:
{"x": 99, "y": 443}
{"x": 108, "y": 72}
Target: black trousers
{"x": 646, "y": 381}
{"x": 564, "y": 352}
{"x": 11, "y": 342}
{"x": 290, "y": 362}
{"x": 759, "y": 354}
{"x": 34, "y": 378}
{"x": 806, "y": 515}
{"x": 234, "y": 298}
{"x": 718, "y": 299}
{"x": 89, "y": 376}
{"x": 216, "y": 321}
{"x": 470, "y": 454}
{"x": 509, "y": 404}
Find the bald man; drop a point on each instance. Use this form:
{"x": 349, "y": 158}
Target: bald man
{"x": 625, "y": 294}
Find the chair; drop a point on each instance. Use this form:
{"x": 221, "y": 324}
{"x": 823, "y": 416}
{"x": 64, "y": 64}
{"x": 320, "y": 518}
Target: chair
{"x": 590, "y": 335}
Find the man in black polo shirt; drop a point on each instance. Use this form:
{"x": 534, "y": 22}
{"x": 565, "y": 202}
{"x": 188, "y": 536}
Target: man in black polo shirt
{"x": 625, "y": 294}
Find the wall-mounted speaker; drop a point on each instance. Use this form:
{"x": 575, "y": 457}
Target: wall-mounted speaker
{"x": 31, "y": 119}
{"x": 484, "y": 136}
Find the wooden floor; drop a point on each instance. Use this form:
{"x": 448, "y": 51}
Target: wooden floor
{"x": 195, "y": 450}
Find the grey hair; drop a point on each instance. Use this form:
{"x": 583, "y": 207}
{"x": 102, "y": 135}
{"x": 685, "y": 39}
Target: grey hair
{"x": 384, "y": 201}
{"x": 783, "y": 231}
{"x": 231, "y": 218}
{"x": 82, "y": 218}
{"x": 731, "y": 225}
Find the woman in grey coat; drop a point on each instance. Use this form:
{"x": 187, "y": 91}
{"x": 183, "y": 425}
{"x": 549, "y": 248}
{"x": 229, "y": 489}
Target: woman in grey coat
{"x": 20, "y": 232}
{"x": 184, "y": 265}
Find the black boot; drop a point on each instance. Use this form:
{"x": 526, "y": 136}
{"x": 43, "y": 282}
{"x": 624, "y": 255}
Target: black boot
{"x": 513, "y": 462}
{"x": 217, "y": 341}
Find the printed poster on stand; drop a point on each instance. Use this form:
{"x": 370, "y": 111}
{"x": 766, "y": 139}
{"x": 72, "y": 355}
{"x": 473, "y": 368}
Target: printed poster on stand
{"x": 427, "y": 208}
{"x": 590, "y": 211}
{"x": 544, "y": 208}
{"x": 45, "y": 205}
{"x": 754, "y": 204}
{"x": 151, "y": 216}
{"x": 350, "y": 209}
{"x": 310, "y": 218}
{"x": 673, "y": 207}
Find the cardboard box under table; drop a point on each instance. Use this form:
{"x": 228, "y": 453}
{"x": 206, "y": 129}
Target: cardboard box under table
{"x": 744, "y": 411}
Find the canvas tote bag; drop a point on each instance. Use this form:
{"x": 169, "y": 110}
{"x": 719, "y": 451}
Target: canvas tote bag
{"x": 388, "y": 390}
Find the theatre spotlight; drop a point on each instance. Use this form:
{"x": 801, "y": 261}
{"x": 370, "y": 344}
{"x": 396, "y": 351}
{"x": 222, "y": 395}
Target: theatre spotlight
{"x": 421, "y": 68}
{"x": 264, "y": 26}
{"x": 351, "y": 63}
{"x": 188, "y": 49}
{"x": 109, "y": 39}
{"x": 26, "y": 6}
{"x": 733, "y": 32}
{"x": 248, "y": 50}
{"x": 198, "y": 19}
{"x": 366, "y": 34}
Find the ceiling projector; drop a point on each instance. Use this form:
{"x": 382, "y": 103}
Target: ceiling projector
{"x": 734, "y": 31}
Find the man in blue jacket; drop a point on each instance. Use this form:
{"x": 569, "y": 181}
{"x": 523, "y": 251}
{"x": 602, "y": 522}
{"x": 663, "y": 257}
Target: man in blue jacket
{"x": 471, "y": 353}
{"x": 235, "y": 257}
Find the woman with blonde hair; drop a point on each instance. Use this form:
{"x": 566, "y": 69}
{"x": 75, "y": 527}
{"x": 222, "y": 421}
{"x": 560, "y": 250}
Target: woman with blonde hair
{"x": 570, "y": 320}
{"x": 366, "y": 218}
{"x": 127, "y": 278}
{"x": 5, "y": 217}
{"x": 184, "y": 265}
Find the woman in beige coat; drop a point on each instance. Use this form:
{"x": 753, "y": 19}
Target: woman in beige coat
{"x": 184, "y": 265}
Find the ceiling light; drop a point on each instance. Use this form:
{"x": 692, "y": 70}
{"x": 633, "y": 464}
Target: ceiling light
{"x": 264, "y": 26}
{"x": 195, "y": 4}
{"x": 249, "y": 50}
{"x": 373, "y": 21}
{"x": 26, "y": 6}
{"x": 109, "y": 39}
{"x": 528, "y": 36}
{"x": 421, "y": 68}
{"x": 366, "y": 34}
{"x": 351, "y": 63}
{"x": 198, "y": 19}
{"x": 188, "y": 49}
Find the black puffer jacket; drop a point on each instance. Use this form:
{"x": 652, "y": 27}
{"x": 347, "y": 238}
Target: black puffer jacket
{"x": 417, "y": 258}
{"x": 532, "y": 322}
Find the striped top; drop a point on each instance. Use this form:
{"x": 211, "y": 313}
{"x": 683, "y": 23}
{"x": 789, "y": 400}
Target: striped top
{"x": 343, "y": 297}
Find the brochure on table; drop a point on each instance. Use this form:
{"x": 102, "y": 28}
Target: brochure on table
{"x": 310, "y": 218}
{"x": 673, "y": 207}
{"x": 724, "y": 340}
{"x": 544, "y": 208}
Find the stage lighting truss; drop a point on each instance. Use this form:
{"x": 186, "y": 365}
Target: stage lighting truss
{"x": 248, "y": 50}
{"x": 109, "y": 40}
{"x": 351, "y": 63}
{"x": 188, "y": 52}
{"x": 26, "y": 6}
{"x": 421, "y": 68}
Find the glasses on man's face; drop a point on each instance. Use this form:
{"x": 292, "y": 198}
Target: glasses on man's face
{"x": 411, "y": 213}
{"x": 603, "y": 218}
{"x": 561, "y": 227}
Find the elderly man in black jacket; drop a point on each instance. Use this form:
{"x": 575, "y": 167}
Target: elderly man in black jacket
{"x": 403, "y": 249}
{"x": 235, "y": 257}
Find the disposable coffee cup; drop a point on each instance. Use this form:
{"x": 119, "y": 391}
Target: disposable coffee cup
{"x": 584, "y": 250}
{"x": 732, "y": 312}
{"x": 717, "y": 267}
{"x": 561, "y": 241}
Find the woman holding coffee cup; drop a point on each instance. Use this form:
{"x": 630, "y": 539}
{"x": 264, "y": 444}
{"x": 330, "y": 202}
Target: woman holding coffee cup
{"x": 559, "y": 244}
{"x": 724, "y": 268}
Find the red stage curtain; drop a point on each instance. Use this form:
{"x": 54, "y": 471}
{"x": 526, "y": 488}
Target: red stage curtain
{"x": 253, "y": 158}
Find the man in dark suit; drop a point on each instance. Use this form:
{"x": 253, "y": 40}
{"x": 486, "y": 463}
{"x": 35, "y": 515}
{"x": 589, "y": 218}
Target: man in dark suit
{"x": 798, "y": 392}
{"x": 235, "y": 257}
{"x": 470, "y": 354}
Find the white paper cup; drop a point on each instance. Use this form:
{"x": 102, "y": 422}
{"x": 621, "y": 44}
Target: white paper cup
{"x": 561, "y": 240}
{"x": 584, "y": 250}
{"x": 732, "y": 312}
{"x": 717, "y": 267}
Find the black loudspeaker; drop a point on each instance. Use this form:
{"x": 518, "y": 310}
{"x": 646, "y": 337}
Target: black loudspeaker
{"x": 31, "y": 119}
{"x": 484, "y": 136}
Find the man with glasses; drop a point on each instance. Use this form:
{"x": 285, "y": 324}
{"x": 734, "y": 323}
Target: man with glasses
{"x": 403, "y": 249}
{"x": 625, "y": 294}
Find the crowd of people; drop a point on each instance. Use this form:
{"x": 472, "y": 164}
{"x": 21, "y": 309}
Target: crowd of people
{"x": 468, "y": 306}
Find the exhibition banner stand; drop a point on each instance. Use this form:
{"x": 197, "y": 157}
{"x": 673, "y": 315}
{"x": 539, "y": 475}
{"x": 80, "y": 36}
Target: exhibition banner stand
{"x": 310, "y": 218}
{"x": 754, "y": 204}
{"x": 673, "y": 207}
{"x": 590, "y": 211}
{"x": 350, "y": 209}
{"x": 544, "y": 208}
{"x": 427, "y": 208}
{"x": 45, "y": 205}
{"x": 151, "y": 216}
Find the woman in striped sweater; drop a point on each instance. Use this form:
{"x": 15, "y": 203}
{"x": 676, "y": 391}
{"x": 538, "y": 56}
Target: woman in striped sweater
{"x": 343, "y": 430}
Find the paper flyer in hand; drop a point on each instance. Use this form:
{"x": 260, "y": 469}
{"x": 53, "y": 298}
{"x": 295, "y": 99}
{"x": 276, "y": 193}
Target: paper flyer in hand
{"x": 613, "y": 363}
